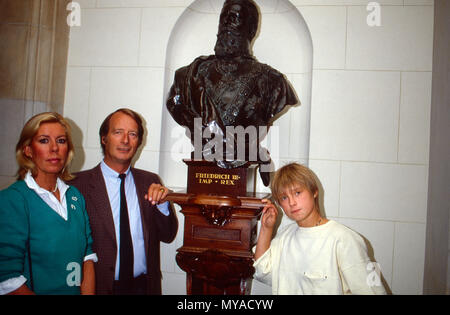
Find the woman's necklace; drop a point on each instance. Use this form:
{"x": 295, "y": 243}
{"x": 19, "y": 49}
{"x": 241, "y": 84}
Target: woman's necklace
{"x": 318, "y": 222}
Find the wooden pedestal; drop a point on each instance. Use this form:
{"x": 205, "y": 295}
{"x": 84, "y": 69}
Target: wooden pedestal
{"x": 219, "y": 232}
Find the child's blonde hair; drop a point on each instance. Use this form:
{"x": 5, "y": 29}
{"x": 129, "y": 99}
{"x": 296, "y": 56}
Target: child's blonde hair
{"x": 291, "y": 175}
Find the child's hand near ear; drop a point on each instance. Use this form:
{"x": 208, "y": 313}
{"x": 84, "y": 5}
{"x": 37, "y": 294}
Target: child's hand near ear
{"x": 269, "y": 214}
{"x": 268, "y": 220}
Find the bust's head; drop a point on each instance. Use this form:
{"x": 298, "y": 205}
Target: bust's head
{"x": 238, "y": 25}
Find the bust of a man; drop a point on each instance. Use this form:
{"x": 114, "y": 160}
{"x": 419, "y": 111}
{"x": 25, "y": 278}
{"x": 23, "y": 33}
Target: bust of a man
{"x": 230, "y": 89}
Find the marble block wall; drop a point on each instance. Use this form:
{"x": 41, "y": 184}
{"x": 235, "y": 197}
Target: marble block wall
{"x": 34, "y": 38}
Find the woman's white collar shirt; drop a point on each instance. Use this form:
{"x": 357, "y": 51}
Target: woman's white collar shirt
{"x": 59, "y": 207}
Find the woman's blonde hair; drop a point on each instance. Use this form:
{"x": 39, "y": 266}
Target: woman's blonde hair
{"x": 26, "y": 136}
{"x": 293, "y": 174}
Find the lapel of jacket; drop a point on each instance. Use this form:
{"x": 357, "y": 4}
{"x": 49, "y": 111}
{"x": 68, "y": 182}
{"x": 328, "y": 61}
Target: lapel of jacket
{"x": 101, "y": 203}
{"x": 141, "y": 190}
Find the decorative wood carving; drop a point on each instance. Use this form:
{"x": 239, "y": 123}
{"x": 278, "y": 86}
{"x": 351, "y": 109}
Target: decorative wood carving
{"x": 218, "y": 273}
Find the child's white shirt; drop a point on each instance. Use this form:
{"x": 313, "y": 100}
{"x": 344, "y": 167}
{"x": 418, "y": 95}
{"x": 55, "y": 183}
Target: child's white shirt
{"x": 325, "y": 259}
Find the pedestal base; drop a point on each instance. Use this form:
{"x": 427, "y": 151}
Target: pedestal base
{"x": 220, "y": 222}
{"x": 212, "y": 272}
{"x": 219, "y": 233}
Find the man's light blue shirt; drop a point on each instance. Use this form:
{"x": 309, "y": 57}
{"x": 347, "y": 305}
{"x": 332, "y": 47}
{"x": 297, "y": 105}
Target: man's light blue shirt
{"x": 112, "y": 182}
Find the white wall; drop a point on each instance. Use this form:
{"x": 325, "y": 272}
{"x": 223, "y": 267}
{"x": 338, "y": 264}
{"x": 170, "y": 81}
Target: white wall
{"x": 370, "y": 111}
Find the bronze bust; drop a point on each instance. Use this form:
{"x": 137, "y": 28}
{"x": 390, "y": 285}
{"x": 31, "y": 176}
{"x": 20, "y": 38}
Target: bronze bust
{"x": 230, "y": 89}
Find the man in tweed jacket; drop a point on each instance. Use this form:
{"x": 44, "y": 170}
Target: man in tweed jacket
{"x": 151, "y": 220}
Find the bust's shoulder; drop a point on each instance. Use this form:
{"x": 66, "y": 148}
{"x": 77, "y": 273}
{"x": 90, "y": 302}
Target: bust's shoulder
{"x": 199, "y": 61}
{"x": 269, "y": 70}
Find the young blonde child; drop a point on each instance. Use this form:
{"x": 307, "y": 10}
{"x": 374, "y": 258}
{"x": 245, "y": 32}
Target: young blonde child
{"x": 314, "y": 255}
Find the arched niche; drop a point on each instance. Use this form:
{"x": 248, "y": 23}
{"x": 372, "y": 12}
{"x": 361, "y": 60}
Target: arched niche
{"x": 283, "y": 42}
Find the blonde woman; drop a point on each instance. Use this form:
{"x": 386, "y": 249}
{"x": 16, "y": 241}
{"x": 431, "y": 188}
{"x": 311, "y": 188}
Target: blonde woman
{"x": 45, "y": 237}
{"x": 313, "y": 255}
